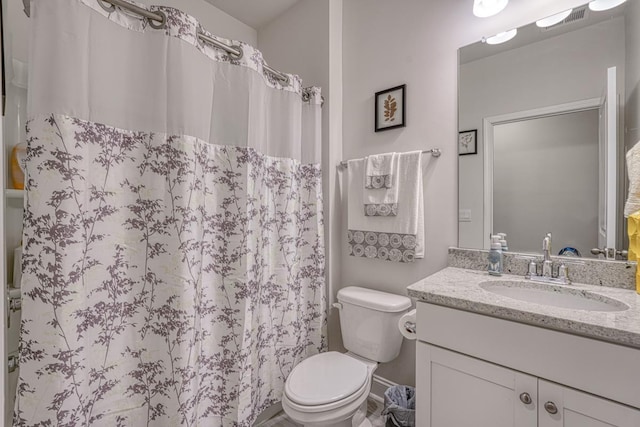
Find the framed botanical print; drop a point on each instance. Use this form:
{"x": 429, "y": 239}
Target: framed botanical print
{"x": 467, "y": 142}
{"x": 390, "y": 108}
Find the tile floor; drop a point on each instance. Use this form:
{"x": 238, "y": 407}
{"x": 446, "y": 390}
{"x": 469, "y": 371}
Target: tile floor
{"x": 373, "y": 414}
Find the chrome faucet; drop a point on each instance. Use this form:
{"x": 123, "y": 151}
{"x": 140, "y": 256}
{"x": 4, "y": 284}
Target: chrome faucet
{"x": 547, "y": 263}
{"x": 562, "y": 276}
{"x": 546, "y": 247}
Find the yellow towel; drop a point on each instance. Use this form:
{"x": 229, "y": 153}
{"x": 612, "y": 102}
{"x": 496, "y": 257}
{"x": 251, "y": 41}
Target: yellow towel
{"x": 633, "y": 226}
{"x": 633, "y": 229}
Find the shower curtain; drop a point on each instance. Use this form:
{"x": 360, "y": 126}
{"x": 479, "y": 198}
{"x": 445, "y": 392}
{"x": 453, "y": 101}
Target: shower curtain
{"x": 173, "y": 242}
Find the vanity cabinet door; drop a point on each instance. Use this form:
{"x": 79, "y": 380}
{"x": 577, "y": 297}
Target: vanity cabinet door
{"x": 457, "y": 390}
{"x": 561, "y": 406}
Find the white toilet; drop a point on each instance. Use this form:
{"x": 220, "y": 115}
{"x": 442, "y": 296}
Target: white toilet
{"x": 331, "y": 389}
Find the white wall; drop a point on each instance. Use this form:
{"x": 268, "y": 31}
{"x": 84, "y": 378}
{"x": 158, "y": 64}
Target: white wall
{"x": 307, "y": 40}
{"x": 414, "y": 42}
{"x": 566, "y": 68}
{"x": 546, "y": 179}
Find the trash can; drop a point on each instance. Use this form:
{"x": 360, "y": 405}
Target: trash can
{"x": 400, "y": 406}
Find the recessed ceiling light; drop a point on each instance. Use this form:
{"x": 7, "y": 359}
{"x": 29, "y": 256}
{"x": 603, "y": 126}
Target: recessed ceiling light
{"x": 600, "y": 5}
{"x": 486, "y": 8}
{"x": 552, "y": 20}
{"x": 502, "y": 37}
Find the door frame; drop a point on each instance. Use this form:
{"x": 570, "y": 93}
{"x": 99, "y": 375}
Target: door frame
{"x": 488, "y": 124}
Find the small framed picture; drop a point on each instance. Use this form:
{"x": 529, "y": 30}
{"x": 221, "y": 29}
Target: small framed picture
{"x": 467, "y": 142}
{"x": 390, "y": 108}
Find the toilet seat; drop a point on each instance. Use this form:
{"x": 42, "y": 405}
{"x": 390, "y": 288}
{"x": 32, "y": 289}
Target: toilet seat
{"x": 335, "y": 378}
{"x": 357, "y": 397}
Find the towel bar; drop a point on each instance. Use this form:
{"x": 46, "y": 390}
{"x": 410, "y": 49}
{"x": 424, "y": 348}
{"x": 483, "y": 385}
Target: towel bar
{"x": 435, "y": 152}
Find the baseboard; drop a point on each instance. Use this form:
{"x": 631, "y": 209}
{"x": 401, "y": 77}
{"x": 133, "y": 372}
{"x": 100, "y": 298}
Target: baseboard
{"x": 378, "y": 387}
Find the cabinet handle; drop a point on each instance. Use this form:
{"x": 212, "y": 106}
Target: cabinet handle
{"x": 551, "y": 408}
{"x": 525, "y": 398}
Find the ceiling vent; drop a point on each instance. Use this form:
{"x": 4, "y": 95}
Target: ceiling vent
{"x": 579, "y": 14}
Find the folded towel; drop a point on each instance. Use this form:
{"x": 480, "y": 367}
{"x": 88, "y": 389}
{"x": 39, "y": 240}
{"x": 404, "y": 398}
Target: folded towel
{"x": 399, "y": 239}
{"x": 379, "y": 171}
{"x": 633, "y": 170}
{"x": 382, "y": 200}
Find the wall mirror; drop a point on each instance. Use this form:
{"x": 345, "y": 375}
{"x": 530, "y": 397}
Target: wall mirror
{"x": 555, "y": 109}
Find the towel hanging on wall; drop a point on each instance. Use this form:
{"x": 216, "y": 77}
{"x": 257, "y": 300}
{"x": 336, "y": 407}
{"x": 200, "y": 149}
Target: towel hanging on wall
{"x": 380, "y": 170}
{"x": 398, "y": 239}
{"x": 381, "y": 185}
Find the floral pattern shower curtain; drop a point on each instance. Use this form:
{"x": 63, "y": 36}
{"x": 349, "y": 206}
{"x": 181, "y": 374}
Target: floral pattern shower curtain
{"x": 173, "y": 263}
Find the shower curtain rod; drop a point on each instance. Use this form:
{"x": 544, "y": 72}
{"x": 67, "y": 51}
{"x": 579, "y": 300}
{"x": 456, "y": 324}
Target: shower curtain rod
{"x": 158, "y": 20}
{"x": 435, "y": 152}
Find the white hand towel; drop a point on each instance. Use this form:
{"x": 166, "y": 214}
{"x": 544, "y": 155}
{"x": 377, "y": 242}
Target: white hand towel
{"x": 379, "y": 172}
{"x": 399, "y": 239}
{"x": 633, "y": 170}
{"x": 382, "y": 200}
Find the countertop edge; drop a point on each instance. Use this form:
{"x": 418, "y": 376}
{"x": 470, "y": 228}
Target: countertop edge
{"x": 601, "y": 333}
{"x": 531, "y": 317}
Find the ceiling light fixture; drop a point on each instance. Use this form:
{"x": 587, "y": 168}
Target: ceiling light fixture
{"x": 552, "y": 20}
{"x": 501, "y": 37}
{"x": 600, "y": 5}
{"x": 486, "y": 8}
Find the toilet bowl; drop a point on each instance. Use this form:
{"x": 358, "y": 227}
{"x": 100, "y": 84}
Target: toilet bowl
{"x": 331, "y": 389}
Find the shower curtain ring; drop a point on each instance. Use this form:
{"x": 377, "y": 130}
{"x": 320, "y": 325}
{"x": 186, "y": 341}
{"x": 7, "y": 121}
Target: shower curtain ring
{"x": 161, "y": 24}
{"x": 107, "y": 6}
{"x": 239, "y": 55}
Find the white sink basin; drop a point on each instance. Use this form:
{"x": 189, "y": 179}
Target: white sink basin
{"x": 552, "y": 295}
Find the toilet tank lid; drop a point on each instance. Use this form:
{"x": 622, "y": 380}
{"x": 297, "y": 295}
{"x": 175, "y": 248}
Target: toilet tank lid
{"x": 375, "y": 300}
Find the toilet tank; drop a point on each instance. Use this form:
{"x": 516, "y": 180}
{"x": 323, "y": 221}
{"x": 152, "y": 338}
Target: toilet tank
{"x": 369, "y": 322}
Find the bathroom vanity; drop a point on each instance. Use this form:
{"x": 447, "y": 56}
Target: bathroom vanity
{"x": 550, "y": 117}
{"x": 487, "y": 359}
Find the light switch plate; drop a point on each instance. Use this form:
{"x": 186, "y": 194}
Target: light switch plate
{"x": 464, "y": 215}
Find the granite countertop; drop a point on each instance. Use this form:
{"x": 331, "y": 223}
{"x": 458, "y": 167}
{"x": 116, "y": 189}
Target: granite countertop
{"x": 459, "y": 288}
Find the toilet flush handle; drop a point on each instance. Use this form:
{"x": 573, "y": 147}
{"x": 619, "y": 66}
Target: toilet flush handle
{"x": 337, "y": 305}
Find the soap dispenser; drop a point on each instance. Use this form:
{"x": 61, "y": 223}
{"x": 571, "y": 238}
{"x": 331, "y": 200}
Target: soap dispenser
{"x": 503, "y": 242}
{"x": 495, "y": 257}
